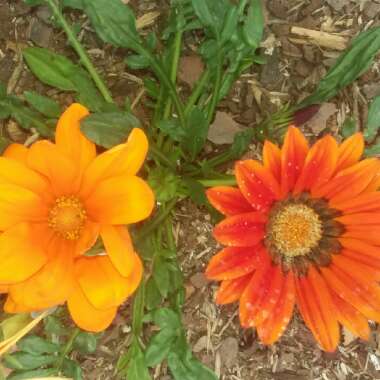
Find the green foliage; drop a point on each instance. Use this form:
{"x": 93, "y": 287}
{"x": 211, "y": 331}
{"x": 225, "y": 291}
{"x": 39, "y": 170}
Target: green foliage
{"x": 108, "y": 129}
{"x": 44, "y": 105}
{"x": 58, "y": 71}
{"x": 349, "y": 66}
{"x": 85, "y": 343}
{"x": 373, "y": 121}
{"x": 164, "y": 183}
{"x": 348, "y": 128}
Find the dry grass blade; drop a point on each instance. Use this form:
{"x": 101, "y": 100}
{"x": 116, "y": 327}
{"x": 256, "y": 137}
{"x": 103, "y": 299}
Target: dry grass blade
{"x": 147, "y": 19}
{"x": 8, "y": 343}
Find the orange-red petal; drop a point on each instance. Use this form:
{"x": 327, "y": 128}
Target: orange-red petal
{"x": 244, "y": 230}
{"x": 231, "y": 290}
{"x": 228, "y": 200}
{"x": 350, "y": 182}
{"x": 233, "y": 262}
{"x": 317, "y": 309}
{"x": 257, "y": 184}
{"x": 319, "y": 165}
{"x": 272, "y": 159}
{"x": 293, "y": 155}
{"x": 350, "y": 151}
{"x": 367, "y": 202}
{"x": 271, "y": 329}
{"x": 351, "y": 318}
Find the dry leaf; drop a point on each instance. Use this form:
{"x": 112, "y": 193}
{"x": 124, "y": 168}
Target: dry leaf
{"x": 223, "y": 129}
{"x": 319, "y": 121}
{"x": 190, "y": 69}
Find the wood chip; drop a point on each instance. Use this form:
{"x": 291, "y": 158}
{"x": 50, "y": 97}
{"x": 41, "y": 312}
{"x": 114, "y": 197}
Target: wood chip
{"x": 323, "y": 39}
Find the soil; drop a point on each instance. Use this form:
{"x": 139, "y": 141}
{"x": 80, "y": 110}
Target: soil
{"x": 294, "y": 67}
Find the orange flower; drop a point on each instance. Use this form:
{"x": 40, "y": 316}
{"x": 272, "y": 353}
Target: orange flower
{"x": 302, "y": 228}
{"x": 55, "y": 200}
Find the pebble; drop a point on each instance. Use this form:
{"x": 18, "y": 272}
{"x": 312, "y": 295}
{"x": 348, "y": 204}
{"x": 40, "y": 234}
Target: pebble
{"x": 229, "y": 350}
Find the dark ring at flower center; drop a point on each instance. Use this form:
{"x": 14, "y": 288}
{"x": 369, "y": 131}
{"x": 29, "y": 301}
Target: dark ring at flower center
{"x": 301, "y": 231}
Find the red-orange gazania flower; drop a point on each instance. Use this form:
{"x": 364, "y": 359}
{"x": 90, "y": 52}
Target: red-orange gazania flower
{"x": 303, "y": 228}
{"x": 55, "y": 200}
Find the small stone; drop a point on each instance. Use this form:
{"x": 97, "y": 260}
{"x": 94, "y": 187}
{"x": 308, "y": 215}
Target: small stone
{"x": 302, "y": 68}
{"x": 309, "y": 53}
{"x": 40, "y": 33}
{"x": 371, "y": 9}
{"x": 229, "y": 350}
{"x": 44, "y": 13}
{"x": 199, "y": 280}
{"x": 371, "y": 90}
{"x": 290, "y": 49}
{"x": 201, "y": 344}
{"x": 337, "y": 5}
{"x": 278, "y": 8}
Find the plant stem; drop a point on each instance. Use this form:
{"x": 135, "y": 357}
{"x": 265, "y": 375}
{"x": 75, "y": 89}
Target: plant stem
{"x": 161, "y": 157}
{"x": 68, "y": 347}
{"x": 218, "y": 182}
{"x": 155, "y": 222}
{"x": 174, "y": 68}
{"x": 197, "y": 91}
{"x": 80, "y": 51}
{"x": 215, "y": 95}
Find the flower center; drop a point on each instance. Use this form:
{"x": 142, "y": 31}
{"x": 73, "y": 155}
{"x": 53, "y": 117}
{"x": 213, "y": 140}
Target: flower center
{"x": 67, "y": 217}
{"x": 295, "y": 229}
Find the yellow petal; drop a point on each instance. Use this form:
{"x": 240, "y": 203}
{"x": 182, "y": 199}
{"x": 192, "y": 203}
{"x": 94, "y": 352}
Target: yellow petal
{"x": 48, "y": 160}
{"x": 120, "y": 200}
{"x": 119, "y": 248}
{"x": 71, "y": 141}
{"x": 52, "y": 284}
{"x": 87, "y": 239}
{"x": 18, "y": 204}
{"x": 102, "y": 284}
{"x": 85, "y": 315}
{"x": 20, "y": 254}
{"x": 123, "y": 159}
{"x": 17, "y": 152}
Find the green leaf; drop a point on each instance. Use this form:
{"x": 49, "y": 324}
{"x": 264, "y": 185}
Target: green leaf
{"x": 113, "y": 21}
{"x": 137, "y": 368}
{"x": 253, "y": 29}
{"x": 350, "y": 65}
{"x": 166, "y": 318}
{"x": 161, "y": 276}
{"x": 85, "y": 343}
{"x": 3, "y": 90}
{"x": 75, "y": 4}
{"x": 36, "y": 345}
{"x": 230, "y": 24}
{"x": 373, "y": 122}
{"x": 196, "y": 132}
{"x": 50, "y": 68}
{"x": 43, "y": 104}
{"x": 53, "y": 325}
{"x": 188, "y": 368}
{"x": 348, "y": 127}
{"x": 72, "y": 369}
{"x": 195, "y": 191}
{"x": 137, "y": 62}
{"x": 241, "y": 142}
{"x": 153, "y": 296}
{"x": 25, "y": 361}
{"x": 108, "y": 129}
{"x": 159, "y": 347}
{"x": 202, "y": 10}
{"x": 373, "y": 150}
{"x": 172, "y": 128}
{"x": 164, "y": 183}
{"x": 138, "y": 309}
{"x": 39, "y": 373}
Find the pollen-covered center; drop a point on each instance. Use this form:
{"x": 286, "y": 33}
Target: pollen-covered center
{"x": 295, "y": 229}
{"x": 67, "y": 217}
